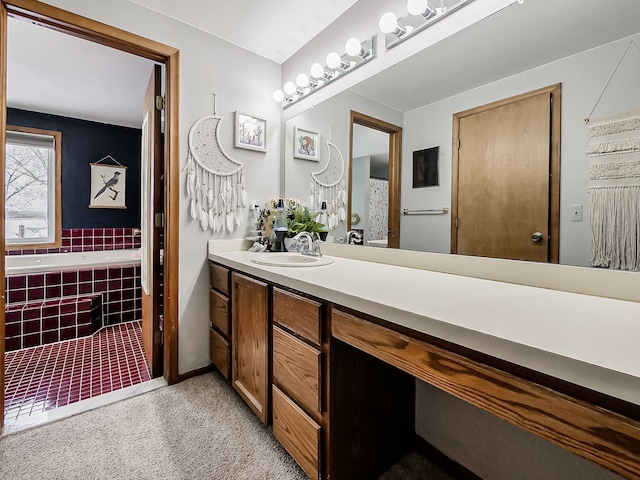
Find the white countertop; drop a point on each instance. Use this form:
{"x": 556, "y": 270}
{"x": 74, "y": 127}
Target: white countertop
{"x": 588, "y": 340}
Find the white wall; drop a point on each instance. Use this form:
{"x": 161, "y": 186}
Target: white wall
{"x": 583, "y": 78}
{"x": 243, "y": 81}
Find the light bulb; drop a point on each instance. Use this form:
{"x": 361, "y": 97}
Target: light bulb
{"x": 289, "y": 88}
{"x": 302, "y": 80}
{"x": 417, "y": 7}
{"x": 388, "y": 22}
{"x": 278, "y": 95}
{"x": 317, "y": 70}
{"x": 333, "y": 60}
{"x": 353, "y": 47}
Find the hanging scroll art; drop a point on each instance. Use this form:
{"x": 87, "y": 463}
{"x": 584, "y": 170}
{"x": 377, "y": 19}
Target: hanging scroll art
{"x": 328, "y": 185}
{"x": 215, "y": 182}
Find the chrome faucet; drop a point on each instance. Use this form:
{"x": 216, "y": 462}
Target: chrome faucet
{"x": 311, "y": 247}
{"x": 353, "y": 234}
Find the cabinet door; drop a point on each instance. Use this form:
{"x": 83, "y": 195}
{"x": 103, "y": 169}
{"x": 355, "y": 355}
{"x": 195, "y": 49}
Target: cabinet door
{"x": 250, "y": 340}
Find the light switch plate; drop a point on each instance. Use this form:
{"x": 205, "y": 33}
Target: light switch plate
{"x": 575, "y": 212}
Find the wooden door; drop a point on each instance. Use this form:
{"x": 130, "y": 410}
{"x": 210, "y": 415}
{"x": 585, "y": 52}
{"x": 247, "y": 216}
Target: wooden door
{"x": 502, "y": 192}
{"x": 250, "y": 341}
{"x": 151, "y": 201}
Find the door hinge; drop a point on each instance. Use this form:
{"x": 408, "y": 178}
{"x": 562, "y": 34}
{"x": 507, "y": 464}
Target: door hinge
{"x": 158, "y": 220}
{"x": 458, "y": 143}
{"x": 456, "y": 222}
{"x": 157, "y": 338}
{"x": 159, "y": 102}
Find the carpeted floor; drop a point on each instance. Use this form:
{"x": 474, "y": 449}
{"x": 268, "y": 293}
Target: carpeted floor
{"x": 197, "y": 429}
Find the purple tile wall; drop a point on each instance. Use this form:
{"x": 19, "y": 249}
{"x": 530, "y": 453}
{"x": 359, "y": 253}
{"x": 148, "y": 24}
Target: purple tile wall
{"x": 41, "y": 305}
{"x": 90, "y": 239}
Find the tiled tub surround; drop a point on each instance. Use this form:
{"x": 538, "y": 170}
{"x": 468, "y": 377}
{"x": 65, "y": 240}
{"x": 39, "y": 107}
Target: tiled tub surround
{"x": 90, "y": 240}
{"x": 50, "y": 306}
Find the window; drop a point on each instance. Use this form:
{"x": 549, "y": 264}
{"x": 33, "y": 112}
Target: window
{"x": 32, "y": 188}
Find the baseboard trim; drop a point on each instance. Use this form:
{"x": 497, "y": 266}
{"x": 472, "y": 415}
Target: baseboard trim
{"x": 195, "y": 373}
{"x": 434, "y": 455}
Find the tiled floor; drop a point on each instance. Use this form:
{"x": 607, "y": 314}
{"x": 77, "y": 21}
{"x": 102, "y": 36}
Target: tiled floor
{"x": 46, "y": 377}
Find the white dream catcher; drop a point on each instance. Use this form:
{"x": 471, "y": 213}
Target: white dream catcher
{"x": 328, "y": 186}
{"x": 215, "y": 182}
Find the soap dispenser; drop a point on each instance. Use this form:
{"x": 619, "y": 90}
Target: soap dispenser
{"x": 280, "y": 228}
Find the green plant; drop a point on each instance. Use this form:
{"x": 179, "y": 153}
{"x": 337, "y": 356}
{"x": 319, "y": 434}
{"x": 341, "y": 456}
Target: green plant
{"x": 303, "y": 220}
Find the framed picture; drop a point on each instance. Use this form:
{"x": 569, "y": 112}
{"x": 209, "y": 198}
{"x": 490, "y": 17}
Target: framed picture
{"x": 425, "y": 167}
{"x": 108, "y": 184}
{"x": 251, "y": 132}
{"x": 306, "y": 144}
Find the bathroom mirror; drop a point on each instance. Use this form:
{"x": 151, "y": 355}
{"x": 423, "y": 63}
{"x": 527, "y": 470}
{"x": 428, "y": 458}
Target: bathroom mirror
{"x": 522, "y": 48}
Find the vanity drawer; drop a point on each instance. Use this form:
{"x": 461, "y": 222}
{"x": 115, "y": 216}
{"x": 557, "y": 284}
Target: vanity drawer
{"x": 296, "y": 369}
{"x": 219, "y": 278}
{"x": 220, "y": 352}
{"x": 297, "y": 433}
{"x": 298, "y": 314}
{"x": 219, "y": 312}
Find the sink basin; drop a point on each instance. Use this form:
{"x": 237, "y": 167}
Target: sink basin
{"x": 290, "y": 260}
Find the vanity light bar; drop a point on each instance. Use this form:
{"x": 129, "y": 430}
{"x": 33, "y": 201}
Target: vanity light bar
{"x": 409, "y": 24}
{"x": 321, "y": 75}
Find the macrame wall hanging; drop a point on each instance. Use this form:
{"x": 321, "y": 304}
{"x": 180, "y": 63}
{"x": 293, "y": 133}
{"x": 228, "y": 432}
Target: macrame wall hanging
{"x": 215, "y": 182}
{"x": 614, "y": 185}
{"x": 328, "y": 186}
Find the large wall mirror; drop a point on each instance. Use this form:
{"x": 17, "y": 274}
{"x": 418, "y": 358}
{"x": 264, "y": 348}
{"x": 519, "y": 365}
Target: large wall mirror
{"x": 520, "y": 49}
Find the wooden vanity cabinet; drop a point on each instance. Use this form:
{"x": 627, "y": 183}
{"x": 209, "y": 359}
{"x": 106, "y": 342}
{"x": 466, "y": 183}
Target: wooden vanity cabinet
{"x": 220, "y": 319}
{"x": 298, "y": 379}
{"x": 250, "y": 342}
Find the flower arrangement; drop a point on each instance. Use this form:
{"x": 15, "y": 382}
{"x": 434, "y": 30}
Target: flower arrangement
{"x": 299, "y": 217}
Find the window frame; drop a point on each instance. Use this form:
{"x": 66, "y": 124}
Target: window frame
{"x": 57, "y": 232}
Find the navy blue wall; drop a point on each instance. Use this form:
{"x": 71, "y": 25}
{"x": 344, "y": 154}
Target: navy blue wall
{"x": 83, "y": 143}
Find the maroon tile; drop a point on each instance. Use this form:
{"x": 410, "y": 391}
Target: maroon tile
{"x": 108, "y": 241}
{"x": 16, "y": 281}
{"x": 31, "y": 313}
{"x": 99, "y": 274}
{"x": 31, "y": 340}
{"x": 114, "y": 296}
{"x": 30, "y": 326}
{"x": 17, "y": 296}
{"x": 53, "y": 292}
{"x": 76, "y": 249}
{"x": 76, "y": 232}
{"x": 50, "y": 336}
{"x": 13, "y": 316}
{"x": 119, "y": 232}
{"x": 67, "y": 307}
{"x": 50, "y": 323}
{"x": 67, "y": 333}
{"x": 11, "y": 344}
{"x": 84, "y": 330}
{"x": 68, "y": 320}
{"x": 115, "y": 284}
{"x": 53, "y": 278}
{"x": 84, "y": 288}
{"x": 12, "y": 329}
{"x": 28, "y": 251}
{"x": 35, "y": 280}
{"x": 70, "y": 289}
{"x": 70, "y": 277}
{"x": 66, "y": 242}
{"x": 35, "y": 294}
{"x": 49, "y": 310}
{"x": 108, "y": 231}
{"x": 100, "y": 286}
{"x": 85, "y": 275}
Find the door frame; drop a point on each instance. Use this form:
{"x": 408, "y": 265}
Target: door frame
{"x": 63, "y": 21}
{"x": 395, "y": 156}
{"x": 555, "y": 92}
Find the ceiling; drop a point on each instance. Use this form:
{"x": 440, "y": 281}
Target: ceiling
{"x": 259, "y": 19}
{"x": 105, "y": 85}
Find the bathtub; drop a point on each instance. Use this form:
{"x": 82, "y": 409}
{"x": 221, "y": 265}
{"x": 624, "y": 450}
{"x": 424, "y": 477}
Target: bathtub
{"x": 54, "y": 262}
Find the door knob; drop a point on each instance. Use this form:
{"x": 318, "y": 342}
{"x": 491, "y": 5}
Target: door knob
{"x": 536, "y": 237}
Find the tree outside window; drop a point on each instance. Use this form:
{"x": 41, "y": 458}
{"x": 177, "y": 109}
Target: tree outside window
{"x": 32, "y": 188}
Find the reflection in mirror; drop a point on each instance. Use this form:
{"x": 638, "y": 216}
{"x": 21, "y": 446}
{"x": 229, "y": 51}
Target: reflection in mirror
{"x": 519, "y": 49}
{"x": 370, "y": 185}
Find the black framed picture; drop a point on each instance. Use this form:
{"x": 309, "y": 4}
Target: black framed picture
{"x": 425, "y": 167}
